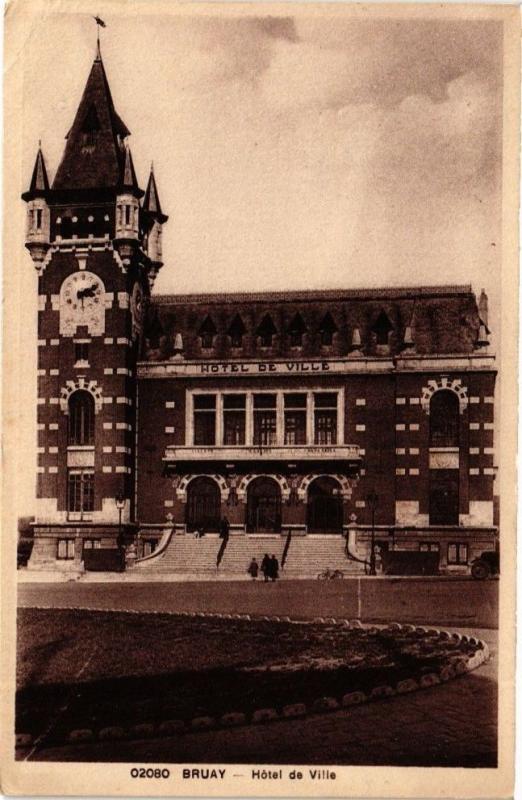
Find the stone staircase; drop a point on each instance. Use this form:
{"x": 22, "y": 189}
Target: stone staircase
{"x": 186, "y": 555}
{"x": 308, "y": 556}
{"x": 242, "y": 548}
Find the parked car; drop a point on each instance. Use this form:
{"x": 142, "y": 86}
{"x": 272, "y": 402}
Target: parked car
{"x": 487, "y": 565}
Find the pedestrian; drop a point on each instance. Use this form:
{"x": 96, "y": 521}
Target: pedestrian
{"x": 253, "y": 569}
{"x": 224, "y": 529}
{"x": 265, "y": 567}
{"x": 274, "y": 568}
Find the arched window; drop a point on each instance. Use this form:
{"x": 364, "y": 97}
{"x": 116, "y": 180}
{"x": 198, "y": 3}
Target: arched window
{"x": 81, "y": 418}
{"x": 325, "y": 506}
{"x": 203, "y": 505}
{"x": 263, "y": 505}
{"x": 444, "y": 419}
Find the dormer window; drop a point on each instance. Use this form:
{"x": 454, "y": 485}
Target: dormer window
{"x": 266, "y": 331}
{"x": 382, "y": 328}
{"x": 327, "y": 329}
{"x": 90, "y": 129}
{"x": 207, "y": 333}
{"x": 236, "y": 331}
{"x": 296, "y": 330}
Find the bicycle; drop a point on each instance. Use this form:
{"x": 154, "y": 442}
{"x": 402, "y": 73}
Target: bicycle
{"x": 330, "y": 574}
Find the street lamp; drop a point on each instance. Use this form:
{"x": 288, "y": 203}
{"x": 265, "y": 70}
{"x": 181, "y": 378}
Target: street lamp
{"x": 372, "y": 501}
{"x": 120, "y": 505}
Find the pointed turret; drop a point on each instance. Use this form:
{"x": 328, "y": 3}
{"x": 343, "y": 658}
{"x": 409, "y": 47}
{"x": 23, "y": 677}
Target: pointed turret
{"x": 129, "y": 181}
{"x": 95, "y": 151}
{"x": 153, "y": 219}
{"x": 37, "y": 238}
{"x": 39, "y": 185}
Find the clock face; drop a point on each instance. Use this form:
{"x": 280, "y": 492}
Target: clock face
{"x": 82, "y": 304}
{"x": 136, "y": 305}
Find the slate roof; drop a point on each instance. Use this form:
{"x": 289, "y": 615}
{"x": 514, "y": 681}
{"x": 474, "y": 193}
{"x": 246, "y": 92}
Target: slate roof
{"x": 94, "y": 154}
{"x": 444, "y": 319}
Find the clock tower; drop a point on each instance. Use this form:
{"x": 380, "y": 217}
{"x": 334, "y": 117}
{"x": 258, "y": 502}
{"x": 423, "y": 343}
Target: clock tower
{"x": 95, "y": 240}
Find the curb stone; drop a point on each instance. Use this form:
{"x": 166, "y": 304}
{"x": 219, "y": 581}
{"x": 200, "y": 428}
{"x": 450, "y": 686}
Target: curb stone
{"x": 264, "y": 715}
{"x": 81, "y": 735}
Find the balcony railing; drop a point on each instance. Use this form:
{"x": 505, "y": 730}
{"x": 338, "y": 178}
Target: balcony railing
{"x": 231, "y": 453}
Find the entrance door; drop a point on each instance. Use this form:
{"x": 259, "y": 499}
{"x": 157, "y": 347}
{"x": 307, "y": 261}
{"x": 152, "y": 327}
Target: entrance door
{"x": 325, "y": 506}
{"x": 263, "y": 506}
{"x": 203, "y": 505}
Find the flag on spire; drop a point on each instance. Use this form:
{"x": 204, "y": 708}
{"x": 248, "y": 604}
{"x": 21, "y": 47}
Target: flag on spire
{"x": 100, "y": 22}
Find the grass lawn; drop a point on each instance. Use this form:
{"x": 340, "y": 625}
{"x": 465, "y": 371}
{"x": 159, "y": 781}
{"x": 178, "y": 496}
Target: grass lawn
{"x": 91, "y": 669}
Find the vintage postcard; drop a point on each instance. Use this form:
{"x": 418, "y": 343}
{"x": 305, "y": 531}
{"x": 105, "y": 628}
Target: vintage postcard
{"x": 260, "y": 396}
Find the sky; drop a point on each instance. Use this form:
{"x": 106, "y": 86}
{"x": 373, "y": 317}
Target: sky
{"x": 296, "y": 151}
{"x": 303, "y": 151}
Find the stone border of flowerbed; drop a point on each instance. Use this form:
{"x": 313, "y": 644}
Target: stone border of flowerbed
{"x": 170, "y": 727}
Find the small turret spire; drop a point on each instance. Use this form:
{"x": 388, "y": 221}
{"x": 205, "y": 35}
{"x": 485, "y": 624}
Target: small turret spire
{"x": 151, "y": 202}
{"x": 129, "y": 180}
{"x": 39, "y": 185}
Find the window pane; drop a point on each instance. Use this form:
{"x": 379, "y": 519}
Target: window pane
{"x": 444, "y": 497}
{"x": 234, "y": 401}
{"x": 265, "y": 427}
{"x": 204, "y": 401}
{"x": 444, "y": 419}
{"x": 295, "y": 400}
{"x": 325, "y": 400}
{"x": 326, "y": 427}
{"x": 264, "y": 401}
{"x": 452, "y": 554}
{"x": 205, "y": 428}
{"x": 88, "y": 491}
{"x": 234, "y": 427}
{"x": 295, "y": 427}
{"x": 81, "y": 419}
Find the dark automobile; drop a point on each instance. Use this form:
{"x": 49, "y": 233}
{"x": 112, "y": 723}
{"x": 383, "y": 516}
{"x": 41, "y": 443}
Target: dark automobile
{"x": 487, "y": 565}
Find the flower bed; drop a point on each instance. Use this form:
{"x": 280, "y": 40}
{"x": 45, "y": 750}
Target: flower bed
{"x": 114, "y": 674}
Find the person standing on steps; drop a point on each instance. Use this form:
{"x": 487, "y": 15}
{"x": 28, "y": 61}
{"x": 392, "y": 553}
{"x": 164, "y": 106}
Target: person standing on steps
{"x": 265, "y": 567}
{"x": 253, "y": 569}
{"x": 274, "y": 568}
{"x": 224, "y": 529}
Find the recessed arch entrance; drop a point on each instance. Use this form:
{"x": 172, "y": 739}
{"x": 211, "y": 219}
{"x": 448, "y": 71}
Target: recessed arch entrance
{"x": 263, "y": 511}
{"x": 324, "y": 512}
{"x": 203, "y": 510}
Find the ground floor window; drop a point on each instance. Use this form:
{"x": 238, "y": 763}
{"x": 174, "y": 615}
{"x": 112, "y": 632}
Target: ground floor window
{"x": 65, "y": 549}
{"x": 91, "y": 544}
{"x": 263, "y": 505}
{"x": 80, "y": 491}
{"x": 444, "y": 497}
{"x": 203, "y": 505}
{"x": 149, "y": 545}
{"x": 429, "y": 547}
{"x": 325, "y": 506}
{"x": 457, "y": 553}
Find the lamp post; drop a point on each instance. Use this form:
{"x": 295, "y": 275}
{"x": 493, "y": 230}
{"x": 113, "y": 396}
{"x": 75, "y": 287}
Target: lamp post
{"x": 372, "y": 501}
{"x": 120, "y": 505}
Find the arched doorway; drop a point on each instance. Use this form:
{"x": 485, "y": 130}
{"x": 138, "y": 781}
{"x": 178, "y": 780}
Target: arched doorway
{"x": 325, "y": 506}
{"x": 203, "y": 505}
{"x": 263, "y": 506}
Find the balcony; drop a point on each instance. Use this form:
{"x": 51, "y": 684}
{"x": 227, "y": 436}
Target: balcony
{"x": 343, "y": 456}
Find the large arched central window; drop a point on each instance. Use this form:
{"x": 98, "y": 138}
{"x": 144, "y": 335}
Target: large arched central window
{"x": 263, "y": 505}
{"x": 203, "y": 505}
{"x": 81, "y": 419}
{"x": 444, "y": 419}
{"x": 325, "y": 506}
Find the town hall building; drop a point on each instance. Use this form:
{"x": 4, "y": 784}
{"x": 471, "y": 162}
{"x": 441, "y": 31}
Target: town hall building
{"x": 193, "y": 432}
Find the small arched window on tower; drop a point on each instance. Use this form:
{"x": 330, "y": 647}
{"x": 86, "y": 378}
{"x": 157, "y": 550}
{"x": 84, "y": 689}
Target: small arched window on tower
{"x": 81, "y": 419}
{"x": 444, "y": 419}
{"x": 266, "y": 331}
{"x": 90, "y": 130}
{"x": 207, "y": 332}
{"x": 327, "y": 328}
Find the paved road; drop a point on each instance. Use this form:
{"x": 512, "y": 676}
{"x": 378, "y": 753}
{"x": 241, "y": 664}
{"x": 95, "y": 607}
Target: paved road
{"x": 425, "y": 601}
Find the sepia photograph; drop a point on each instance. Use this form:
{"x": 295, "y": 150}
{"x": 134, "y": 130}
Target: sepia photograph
{"x": 260, "y": 398}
